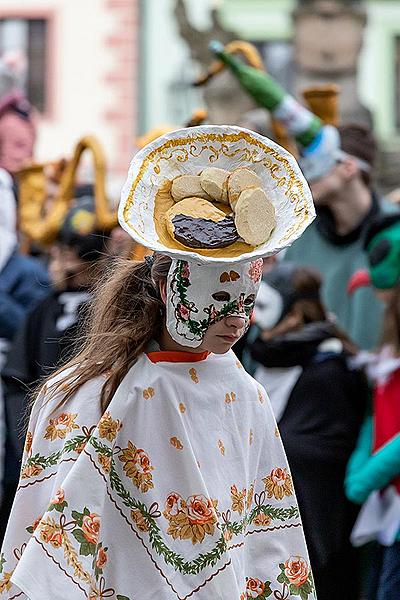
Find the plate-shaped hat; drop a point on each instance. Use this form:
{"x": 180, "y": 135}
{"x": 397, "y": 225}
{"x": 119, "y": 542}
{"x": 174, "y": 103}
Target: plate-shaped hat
{"x": 189, "y": 151}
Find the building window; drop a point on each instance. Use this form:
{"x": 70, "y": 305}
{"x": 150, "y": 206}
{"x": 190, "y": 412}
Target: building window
{"x": 28, "y": 38}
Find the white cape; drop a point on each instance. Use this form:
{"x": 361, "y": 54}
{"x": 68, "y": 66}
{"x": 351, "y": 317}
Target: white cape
{"x": 180, "y": 490}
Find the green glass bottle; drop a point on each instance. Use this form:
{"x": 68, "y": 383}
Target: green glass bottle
{"x": 302, "y": 124}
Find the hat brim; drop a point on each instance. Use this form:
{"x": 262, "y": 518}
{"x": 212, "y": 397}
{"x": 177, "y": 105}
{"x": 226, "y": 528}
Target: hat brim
{"x": 189, "y": 151}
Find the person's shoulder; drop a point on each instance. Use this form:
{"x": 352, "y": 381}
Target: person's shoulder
{"x": 85, "y": 401}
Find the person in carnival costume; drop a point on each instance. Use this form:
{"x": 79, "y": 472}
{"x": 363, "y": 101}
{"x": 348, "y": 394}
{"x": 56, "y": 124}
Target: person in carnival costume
{"x": 319, "y": 401}
{"x": 373, "y": 474}
{"x": 338, "y": 163}
{"x": 153, "y": 467}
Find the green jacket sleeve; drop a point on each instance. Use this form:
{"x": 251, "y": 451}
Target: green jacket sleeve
{"x": 367, "y": 472}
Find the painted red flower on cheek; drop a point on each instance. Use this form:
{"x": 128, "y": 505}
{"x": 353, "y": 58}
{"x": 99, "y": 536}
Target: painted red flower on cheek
{"x": 184, "y": 312}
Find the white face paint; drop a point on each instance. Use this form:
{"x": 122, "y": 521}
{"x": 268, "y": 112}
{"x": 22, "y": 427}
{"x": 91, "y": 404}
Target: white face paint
{"x": 268, "y": 308}
{"x": 199, "y": 295}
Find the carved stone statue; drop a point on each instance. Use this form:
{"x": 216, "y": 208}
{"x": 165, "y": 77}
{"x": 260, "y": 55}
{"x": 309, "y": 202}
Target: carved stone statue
{"x": 226, "y": 102}
{"x": 328, "y": 37}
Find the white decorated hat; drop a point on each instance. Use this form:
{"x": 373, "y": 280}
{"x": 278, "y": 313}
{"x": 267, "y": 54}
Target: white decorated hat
{"x": 189, "y": 151}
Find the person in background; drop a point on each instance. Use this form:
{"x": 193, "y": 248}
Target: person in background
{"x": 333, "y": 244}
{"x": 17, "y": 137}
{"x": 49, "y": 334}
{"x": 17, "y": 124}
{"x": 23, "y": 280}
{"x": 319, "y": 403}
{"x": 373, "y": 473}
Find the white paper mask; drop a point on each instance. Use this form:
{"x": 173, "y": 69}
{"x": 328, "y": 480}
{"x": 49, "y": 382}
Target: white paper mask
{"x": 199, "y": 295}
{"x": 268, "y": 308}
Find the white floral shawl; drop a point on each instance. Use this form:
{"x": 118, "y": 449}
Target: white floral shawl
{"x": 180, "y": 490}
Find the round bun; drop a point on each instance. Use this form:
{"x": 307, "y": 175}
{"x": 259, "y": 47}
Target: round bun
{"x": 254, "y": 216}
{"x": 241, "y": 179}
{"x": 214, "y": 183}
{"x": 187, "y": 186}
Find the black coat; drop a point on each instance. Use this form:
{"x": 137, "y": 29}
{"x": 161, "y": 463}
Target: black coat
{"x": 319, "y": 429}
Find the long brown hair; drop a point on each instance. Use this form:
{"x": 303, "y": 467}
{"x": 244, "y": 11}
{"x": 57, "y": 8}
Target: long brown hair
{"x": 125, "y": 314}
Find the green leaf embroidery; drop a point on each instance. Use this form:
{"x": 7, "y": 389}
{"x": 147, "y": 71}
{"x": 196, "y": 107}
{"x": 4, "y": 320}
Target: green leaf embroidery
{"x": 78, "y": 535}
{"x": 282, "y": 578}
{"x": 87, "y": 548}
{"x": 303, "y": 594}
{"x": 2, "y": 561}
{"x": 78, "y": 517}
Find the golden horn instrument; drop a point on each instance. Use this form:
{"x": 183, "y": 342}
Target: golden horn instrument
{"x": 40, "y": 224}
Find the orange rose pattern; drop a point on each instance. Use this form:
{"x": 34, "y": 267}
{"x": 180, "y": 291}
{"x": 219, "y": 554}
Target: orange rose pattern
{"x": 139, "y": 520}
{"x": 91, "y": 527}
{"x": 137, "y": 467}
{"x": 105, "y": 462}
{"x": 5, "y": 583}
{"x": 58, "y": 497}
{"x": 262, "y": 520}
{"x": 101, "y": 559}
{"x": 31, "y": 470}
{"x": 238, "y": 499}
{"x": 109, "y": 427}
{"x": 296, "y": 575}
{"x": 278, "y": 484}
{"x": 61, "y": 426}
{"x": 50, "y": 532}
{"x": 297, "y": 570}
{"x": 190, "y": 519}
{"x": 255, "y": 588}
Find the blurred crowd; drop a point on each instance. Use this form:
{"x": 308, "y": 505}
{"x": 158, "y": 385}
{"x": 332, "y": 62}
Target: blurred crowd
{"x": 324, "y": 340}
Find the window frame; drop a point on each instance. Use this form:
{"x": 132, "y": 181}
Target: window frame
{"x": 50, "y": 52}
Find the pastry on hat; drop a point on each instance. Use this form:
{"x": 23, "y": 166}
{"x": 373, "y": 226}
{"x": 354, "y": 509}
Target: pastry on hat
{"x": 146, "y": 196}
{"x": 197, "y": 223}
{"x": 254, "y": 216}
{"x": 214, "y": 183}
{"x": 241, "y": 179}
{"x": 187, "y": 186}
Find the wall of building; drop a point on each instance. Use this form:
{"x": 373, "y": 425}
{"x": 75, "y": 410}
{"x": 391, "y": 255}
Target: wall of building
{"x": 92, "y": 70}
